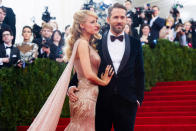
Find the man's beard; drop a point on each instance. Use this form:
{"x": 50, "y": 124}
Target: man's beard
{"x": 117, "y": 30}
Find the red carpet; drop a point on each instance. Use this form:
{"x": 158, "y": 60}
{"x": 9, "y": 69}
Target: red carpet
{"x": 170, "y": 106}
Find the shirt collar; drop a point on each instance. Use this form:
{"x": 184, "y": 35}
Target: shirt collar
{"x": 7, "y": 45}
{"x": 110, "y": 33}
{"x": 155, "y": 17}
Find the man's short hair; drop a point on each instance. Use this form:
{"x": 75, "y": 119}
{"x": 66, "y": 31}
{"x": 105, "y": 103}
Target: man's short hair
{"x": 3, "y": 9}
{"x": 47, "y": 26}
{"x": 116, "y": 5}
{"x": 128, "y": 1}
{"x": 155, "y": 6}
{"x": 7, "y": 29}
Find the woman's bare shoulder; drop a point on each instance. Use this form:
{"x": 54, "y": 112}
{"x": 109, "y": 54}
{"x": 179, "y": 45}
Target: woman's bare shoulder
{"x": 82, "y": 43}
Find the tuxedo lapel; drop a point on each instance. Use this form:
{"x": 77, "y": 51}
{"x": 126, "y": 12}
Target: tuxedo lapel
{"x": 11, "y": 52}
{"x": 105, "y": 50}
{"x": 3, "y": 53}
{"x": 126, "y": 53}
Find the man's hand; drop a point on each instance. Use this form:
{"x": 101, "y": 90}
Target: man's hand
{"x": 59, "y": 60}
{"x": 5, "y": 60}
{"x": 47, "y": 50}
{"x": 138, "y": 104}
{"x": 142, "y": 15}
{"x": 71, "y": 93}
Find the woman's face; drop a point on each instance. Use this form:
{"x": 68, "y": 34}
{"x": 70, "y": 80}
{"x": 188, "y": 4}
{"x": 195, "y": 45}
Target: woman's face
{"x": 26, "y": 33}
{"x": 146, "y": 30}
{"x": 57, "y": 37}
{"x": 127, "y": 29}
{"x": 187, "y": 26}
{"x": 91, "y": 26}
{"x": 169, "y": 23}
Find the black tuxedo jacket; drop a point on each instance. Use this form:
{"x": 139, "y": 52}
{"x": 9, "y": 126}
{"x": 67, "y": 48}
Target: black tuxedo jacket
{"x": 14, "y": 56}
{"x": 156, "y": 27}
{"x": 38, "y": 41}
{"x": 129, "y": 80}
{"x": 55, "y": 51}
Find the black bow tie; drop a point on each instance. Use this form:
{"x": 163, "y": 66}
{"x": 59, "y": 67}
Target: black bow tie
{"x": 113, "y": 38}
{"x": 7, "y": 47}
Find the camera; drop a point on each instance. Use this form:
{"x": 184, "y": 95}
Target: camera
{"x": 183, "y": 30}
{"x": 174, "y": 10}
{"x": 88, "y": 6}
{"x": 45, "y": 45}
{"x": 46, "y": 16}
{"x": 149, "y": 12}
{"x": 36, "y": 31}
{"x": 193, "y": 24}
{"x": 139, "y": 10}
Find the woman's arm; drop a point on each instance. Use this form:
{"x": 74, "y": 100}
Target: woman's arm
{"x": 83, "y": 53}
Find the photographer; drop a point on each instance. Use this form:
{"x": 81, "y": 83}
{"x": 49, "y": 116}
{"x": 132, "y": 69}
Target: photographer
{"x": 188, "y": 33}
{"x": 156, "y": 23}
{"x": 9, "y": 55}
{"x": 145, "y": 36}
{"x": 180, "y": 35}
{"x": 43, "y": 42}
{"x": 136, "y": 21}
{"x": 167, "y": 32}
{"x": 176, "y": 15}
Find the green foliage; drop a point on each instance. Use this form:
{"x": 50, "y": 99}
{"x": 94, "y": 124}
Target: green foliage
{"x": 168, "y": 62}
{"x": 26, "y": 90}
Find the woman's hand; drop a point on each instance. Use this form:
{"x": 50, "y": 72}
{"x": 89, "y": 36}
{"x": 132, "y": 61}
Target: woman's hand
{"x": 107, "y": 76}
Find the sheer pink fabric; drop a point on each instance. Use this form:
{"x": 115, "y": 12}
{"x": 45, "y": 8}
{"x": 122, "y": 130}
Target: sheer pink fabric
{"x": 82, "y": 112}
{"x": 48, "y": 117}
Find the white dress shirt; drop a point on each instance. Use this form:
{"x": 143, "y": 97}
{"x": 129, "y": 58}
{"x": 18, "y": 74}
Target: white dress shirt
{"x": 152, "y": 20}
{"x": 116, "y": 50}
{"x": 8, "y": 50}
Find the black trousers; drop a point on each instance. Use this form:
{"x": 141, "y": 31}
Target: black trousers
{"x": 117, "y": 111}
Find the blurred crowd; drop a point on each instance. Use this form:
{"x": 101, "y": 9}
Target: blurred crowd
{"x": 143, "y": 23}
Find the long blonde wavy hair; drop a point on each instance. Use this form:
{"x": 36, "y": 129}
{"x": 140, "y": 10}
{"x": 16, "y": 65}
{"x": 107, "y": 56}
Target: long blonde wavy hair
{"x": 79, "y": 17}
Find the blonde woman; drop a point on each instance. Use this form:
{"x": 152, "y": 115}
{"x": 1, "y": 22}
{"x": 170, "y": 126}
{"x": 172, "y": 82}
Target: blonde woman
{"x": 167, "y": 32}
{"x": 86, "y": 61}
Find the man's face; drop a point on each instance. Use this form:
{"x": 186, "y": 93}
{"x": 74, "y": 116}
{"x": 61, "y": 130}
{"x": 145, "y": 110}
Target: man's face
{"x": 146, "y": 30}
{"x": 7, "y": 37}
{"x": 2, "y": 15}
{"x": 129, "y": 21}
{"x": 187, "y": 26}
{"x": 156, "y": 11}
{"x": 46, "y": 33}
{"x": 128, "y": 5}
{"x": 117, "y": 20}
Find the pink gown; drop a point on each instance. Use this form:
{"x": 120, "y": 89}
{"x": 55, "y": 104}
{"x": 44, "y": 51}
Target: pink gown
{"x": 82, "y": 112}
